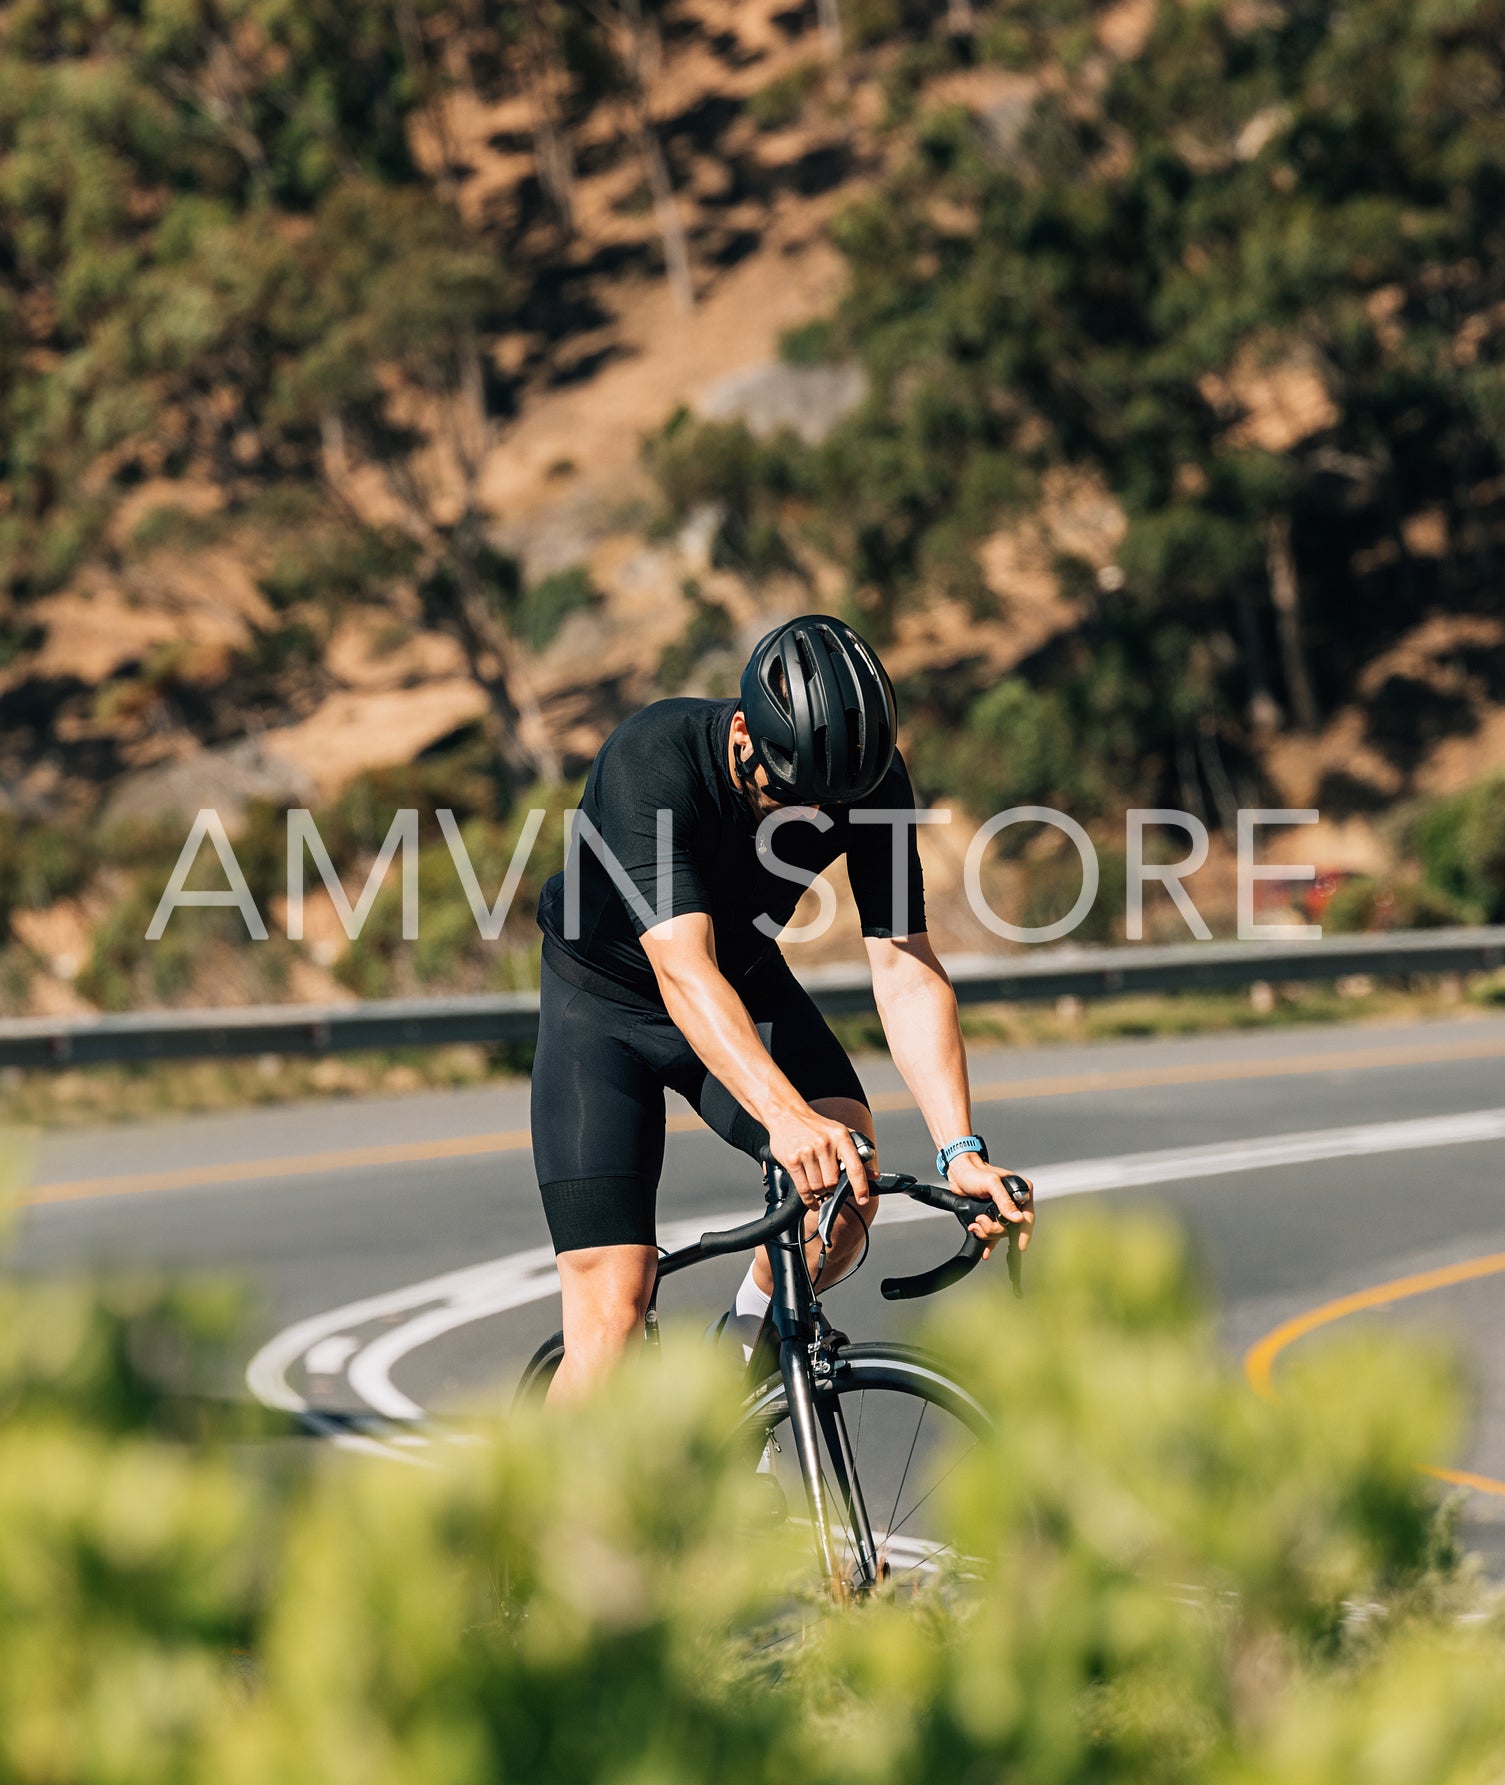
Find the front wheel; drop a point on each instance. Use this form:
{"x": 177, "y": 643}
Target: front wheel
{"x": 893, "y": 1427}
{"x": 540, "y": 1370}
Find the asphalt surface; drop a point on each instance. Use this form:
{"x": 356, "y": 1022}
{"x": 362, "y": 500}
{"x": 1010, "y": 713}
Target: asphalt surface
{"x": 1294, "y": 1157}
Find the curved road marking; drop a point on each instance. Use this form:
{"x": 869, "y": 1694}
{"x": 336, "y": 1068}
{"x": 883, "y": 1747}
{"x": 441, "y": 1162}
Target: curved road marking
{"x": 425, "y": 1311}
{"x": 517, "y": 1139}
{"x": 1259, "y": 1360}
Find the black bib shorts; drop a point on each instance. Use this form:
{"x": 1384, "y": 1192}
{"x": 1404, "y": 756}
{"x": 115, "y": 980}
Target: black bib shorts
{"x": 603, "y": 1062}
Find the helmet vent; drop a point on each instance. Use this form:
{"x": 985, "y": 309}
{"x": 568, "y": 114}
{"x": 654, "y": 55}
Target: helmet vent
{"x": 776, "y": 759}
{"x": 854, "y": 736}
{"x": 820, "y": 710}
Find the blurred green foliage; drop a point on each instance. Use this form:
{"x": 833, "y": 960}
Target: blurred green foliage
{"x": 709, "y": 628}
{"x": 1244, "y": 281}
{"x": 218, "y": 237}
{"x": 780, "y": 103}
{"x": 1460, "y": 843}
{"x": 547, "y": 604}
{"x": 38, "y": 864}
{"x": 724, "y": 466}
{"x": 1175, "y": 1581}
{"x": 450, "y": 950}
{"x": 1454, "y": 854}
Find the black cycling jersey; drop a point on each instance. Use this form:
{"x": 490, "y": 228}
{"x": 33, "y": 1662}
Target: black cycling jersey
{"x": 673, "y": 757}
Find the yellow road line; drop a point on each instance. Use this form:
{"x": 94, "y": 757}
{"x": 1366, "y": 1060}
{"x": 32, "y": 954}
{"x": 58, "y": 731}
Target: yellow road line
{"x": 294, "y": 1166}
{"x": 1481, "y": 1484}
{"x": 1205, "y": 1072}
{"x": 1002, "y": 1091}
{"x": 1259, "y": 1360}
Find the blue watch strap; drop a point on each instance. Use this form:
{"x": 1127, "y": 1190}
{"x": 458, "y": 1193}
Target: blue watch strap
{"x": 969, "y": 1143}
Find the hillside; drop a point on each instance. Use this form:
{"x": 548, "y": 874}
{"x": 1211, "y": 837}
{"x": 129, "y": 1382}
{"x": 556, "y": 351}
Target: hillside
{"x": 573, "y": 357}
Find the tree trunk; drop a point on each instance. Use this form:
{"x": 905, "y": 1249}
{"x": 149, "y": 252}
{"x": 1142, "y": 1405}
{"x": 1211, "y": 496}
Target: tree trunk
{"x": 828, "y": 18}
{"x": 1263, "y": 711}
{"x": 524, "y": 744}
{"x": 1223, "y": 797}
{"x": 552, "y": 155}
{"x": 415, "y": 53}
{"x": 671, "y": 227}
{"x": 1285, "y": 596}
{"x": 520, "y": 737}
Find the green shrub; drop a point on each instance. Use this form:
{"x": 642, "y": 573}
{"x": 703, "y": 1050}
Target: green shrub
{"x": 781, "y": 102}
{"x": 548, "y": 603}
{"x": 709, "y": 628}
{"x": 810, "y": 344}
{"x": 1169, "y": 1572}
{"x": 17, "y": 639}
{"x": 1054, "y": 883}
{"x": 1366, "y": 904}
{"x": 450, "y": 950}
{"x": 1017, "y": 745}
{"x": 724, "y": 463}
{"x": 324, "y": 559}
{"x": 40, "y": 863}
{"x": 1460, "y": 843}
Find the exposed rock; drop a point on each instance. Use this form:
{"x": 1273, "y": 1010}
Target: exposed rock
{"x": 1082, "y": 515}
{"x": 767, "y": 398}
{"x": 1282, "y": 403}
{"x": 1124, "y": 29}
{"x": 227, "y": 779}
{"x": 353, "y": 732}
{"x": 361, "y": 654}
{"x": 61, "y": 936}
{"x": 1001, "y": 100}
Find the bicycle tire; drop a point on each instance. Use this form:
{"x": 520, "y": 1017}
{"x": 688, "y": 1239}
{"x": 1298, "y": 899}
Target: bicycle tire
{"x": 871, "y": 1369}
{"x": 540, "y": 1370}
{"x": 895, "y": 1378}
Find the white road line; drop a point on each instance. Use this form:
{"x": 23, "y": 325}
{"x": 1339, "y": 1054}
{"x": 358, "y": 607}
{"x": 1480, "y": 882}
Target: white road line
{"x": 424, "y": 1311}
{"x": 330, "y": 1355}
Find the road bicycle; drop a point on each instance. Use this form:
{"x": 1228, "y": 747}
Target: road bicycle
{"x": 863, "y": 1434}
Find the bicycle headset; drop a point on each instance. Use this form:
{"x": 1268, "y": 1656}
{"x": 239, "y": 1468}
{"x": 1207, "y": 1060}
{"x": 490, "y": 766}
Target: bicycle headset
{"x": 820, "y": 711}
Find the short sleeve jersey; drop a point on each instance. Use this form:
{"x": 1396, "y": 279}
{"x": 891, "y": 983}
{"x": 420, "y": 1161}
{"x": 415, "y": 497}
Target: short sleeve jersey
{"x": 661, "y": 800}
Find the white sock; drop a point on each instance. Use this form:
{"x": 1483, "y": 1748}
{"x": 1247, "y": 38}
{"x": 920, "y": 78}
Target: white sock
{"x": 745, "y": 1319}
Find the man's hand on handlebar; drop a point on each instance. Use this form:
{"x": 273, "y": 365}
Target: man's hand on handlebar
{"x": 970, "y": 1175}
{"x": 815, "y": 1150}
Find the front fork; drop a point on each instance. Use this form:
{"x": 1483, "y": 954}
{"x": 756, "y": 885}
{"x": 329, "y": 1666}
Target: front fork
{"x": 807, "y": 1365}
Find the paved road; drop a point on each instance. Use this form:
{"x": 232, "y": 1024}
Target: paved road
{"x": 1308, "y": 1164}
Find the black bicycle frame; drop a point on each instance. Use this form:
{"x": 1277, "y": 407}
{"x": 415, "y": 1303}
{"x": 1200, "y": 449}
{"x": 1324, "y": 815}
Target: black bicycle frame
{"x": 808, "y": 1353}
{"x": 809, "y": 1348}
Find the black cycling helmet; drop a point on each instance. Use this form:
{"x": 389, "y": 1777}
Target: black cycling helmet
{"x": 820, "y": 710}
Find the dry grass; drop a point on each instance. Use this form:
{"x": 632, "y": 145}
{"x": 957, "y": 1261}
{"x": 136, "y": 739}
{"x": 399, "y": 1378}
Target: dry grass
{"x": 84, "y": 1097}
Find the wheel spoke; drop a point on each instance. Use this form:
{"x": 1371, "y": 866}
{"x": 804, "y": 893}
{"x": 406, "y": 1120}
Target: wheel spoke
{"x": 848, "y": 1539}
{"x": 893, "y": 1530}
{"x": 940, "y": 1549}
{"x": 901, "y": 1441}
{"x": 898, "y": 1491}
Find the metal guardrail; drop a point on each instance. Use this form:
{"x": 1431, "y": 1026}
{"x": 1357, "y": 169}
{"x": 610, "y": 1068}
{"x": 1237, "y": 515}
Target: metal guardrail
{"x": 839, "y": 991}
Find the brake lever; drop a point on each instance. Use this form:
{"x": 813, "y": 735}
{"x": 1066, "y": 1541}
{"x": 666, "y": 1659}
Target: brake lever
{"x": 830, "y": 1209}
{"x": 966, "y": 1209}
{"x": 1019, "y": 1195}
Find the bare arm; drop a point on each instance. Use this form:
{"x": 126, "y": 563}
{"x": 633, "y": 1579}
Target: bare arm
{"x": 713, "y": 1019}
{"x": 917, "y": 1007}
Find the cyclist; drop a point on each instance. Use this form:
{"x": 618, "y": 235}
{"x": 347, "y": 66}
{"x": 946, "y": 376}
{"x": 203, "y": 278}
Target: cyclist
{"x": 760, "y": 793}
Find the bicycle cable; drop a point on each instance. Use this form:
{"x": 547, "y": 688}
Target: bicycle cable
{"x": 852, "y": 1270}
